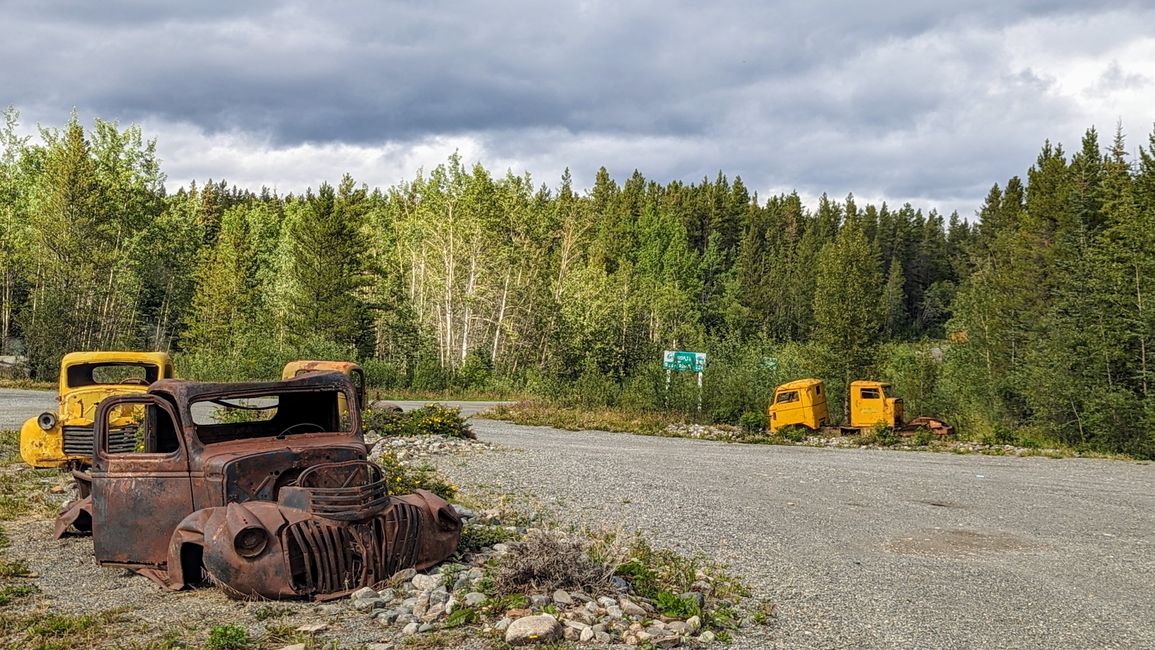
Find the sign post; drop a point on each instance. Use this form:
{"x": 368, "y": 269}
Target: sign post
{"x": 680, "y": 361}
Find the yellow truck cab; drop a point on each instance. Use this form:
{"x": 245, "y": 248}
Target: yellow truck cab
{"x": 872, "y": 404}
{"x": 801, "y": 402}
{"x": 348, "y": 368}
{"x": 65, "y": 437}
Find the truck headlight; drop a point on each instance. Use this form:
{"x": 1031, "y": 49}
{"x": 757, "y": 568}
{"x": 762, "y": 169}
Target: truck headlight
{"x": 251, "y": 541}
{"x": 47, "y": 421}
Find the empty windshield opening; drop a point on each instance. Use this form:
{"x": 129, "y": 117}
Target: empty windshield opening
{"x": 111, "y": 374}
{"x": 277, "y": 415}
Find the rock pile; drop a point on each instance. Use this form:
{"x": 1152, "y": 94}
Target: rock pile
{"x": 415, "y": 447}
{"x": 413, "y": 603}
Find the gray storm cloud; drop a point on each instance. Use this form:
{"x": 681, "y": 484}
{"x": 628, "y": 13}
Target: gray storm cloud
{"x": 917, "y": 101}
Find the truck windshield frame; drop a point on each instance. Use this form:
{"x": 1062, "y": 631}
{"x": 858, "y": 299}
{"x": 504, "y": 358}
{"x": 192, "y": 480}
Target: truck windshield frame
{"x": 275, "y": 415}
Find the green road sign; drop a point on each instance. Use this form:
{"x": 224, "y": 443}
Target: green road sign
{"x": 684, "y": 361}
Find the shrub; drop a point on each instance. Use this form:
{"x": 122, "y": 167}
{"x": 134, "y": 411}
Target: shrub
{"x": 227, "y": 637}
{"x": 753, "y": 422}
{"x": 546, "y": 562}
{"x": 405, "y": 479}
{"x": 382, "y": 374}
{"x": 429, "y": 376}
{"x": 476, "y": 370}
{"x": 429, "y": 420}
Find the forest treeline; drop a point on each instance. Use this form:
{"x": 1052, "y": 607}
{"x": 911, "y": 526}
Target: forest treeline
{"x": 1031, "y": 322}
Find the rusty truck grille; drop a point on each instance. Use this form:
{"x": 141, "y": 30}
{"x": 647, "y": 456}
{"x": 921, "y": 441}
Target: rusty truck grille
{"x": 327, "y": 557}
{"x": 78, "y": 440}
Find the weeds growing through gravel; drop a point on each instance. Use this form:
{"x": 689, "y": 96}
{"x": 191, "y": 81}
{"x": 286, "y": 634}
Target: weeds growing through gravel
{"x": 228, "y": 637}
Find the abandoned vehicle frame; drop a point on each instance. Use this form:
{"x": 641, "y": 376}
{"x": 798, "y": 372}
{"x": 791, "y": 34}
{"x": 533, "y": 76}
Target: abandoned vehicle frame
{"x": 262, "y": 488}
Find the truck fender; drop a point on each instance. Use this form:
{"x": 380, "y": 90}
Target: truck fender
{"x": 78, "y": 515}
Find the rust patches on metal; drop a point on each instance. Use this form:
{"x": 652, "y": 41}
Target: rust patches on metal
{"x": 276, "y": 502}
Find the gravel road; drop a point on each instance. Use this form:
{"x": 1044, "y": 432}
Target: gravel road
{"x": 860, "y": 548}
{"x": 870, "y": 548}
{"x": 17, "y": 405}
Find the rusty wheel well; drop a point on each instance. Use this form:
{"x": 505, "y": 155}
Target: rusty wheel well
{"x": 192, "y": 563}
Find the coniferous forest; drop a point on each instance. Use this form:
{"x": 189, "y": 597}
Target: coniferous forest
{"x": 1030, "y": 321}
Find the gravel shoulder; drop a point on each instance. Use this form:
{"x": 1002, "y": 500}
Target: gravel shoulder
{"x": 869, "y": 548}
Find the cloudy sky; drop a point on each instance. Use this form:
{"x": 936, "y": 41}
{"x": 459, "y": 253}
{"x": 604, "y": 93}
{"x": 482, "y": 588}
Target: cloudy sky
{"x": 914, "y": 100}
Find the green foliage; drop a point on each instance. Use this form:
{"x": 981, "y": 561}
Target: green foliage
{"x": 753, "y": 422}
{"x": 475, "y": 537}
{"x": 405, "y": 479}
{"x": 9, "y": 593}
{"x": 461, "y": 615}
{"x": 675, "y": 606}
{"x": 228, "y": 637}
{"x": 429, "y": 420}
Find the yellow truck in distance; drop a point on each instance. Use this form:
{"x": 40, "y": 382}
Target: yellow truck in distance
{"x": 65, "y": 437}
{"x": 348, "y": 368}
{"x": 872, "y": 404}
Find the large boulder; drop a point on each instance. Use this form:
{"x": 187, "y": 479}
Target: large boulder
{"x": 533, "y": 629}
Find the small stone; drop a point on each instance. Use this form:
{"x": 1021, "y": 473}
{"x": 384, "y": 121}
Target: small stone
{"x": 313, "y": 628}
{"x": 619, "y": 584}
{"x": 630, "y": 608}
{"x": 378, "y": 646}
{"x": 643, "y": 636}
{"x": 570, "y": 634}
{"x": 677, "y": 627}
{"x": 363, "y": 592}
{"x": 295, "y": 646}
{"x": 501, "y": 548}
{"x": 602, "y": 637}
{"x": 562, "y": 597}
{"x": 434, "y": 613}
{"x": 386, "y": 595}
{"x": 410, "y": 629}
{"x": 587, "y": 635}
{"x": 388, "y": 617}
{"x": 667, "y": 641}
{"x": 450, "y": 604}
{"x": 706, "y": 637}
{"x": 474, "y": 598}
{"x": 421, "y": 606}
{"x": 463, "y": 512}
{"x": 438, "y": 596}
{"x": 461, "y": 582}
{"x": 694, "y": 623}
{"x": 330, "y": 609}
{"x": 538, "y": 601}
{"x": 426, "y": 582}
{"x": 533, "y": 629}
{"x": 425, "y": 627}
{"x": 502, "y": 624}
{"x": 368, "y": 604}
{"x": 606, "y": 601}
{"x": 613, "y": 611}
{"x": 577, "y": 625}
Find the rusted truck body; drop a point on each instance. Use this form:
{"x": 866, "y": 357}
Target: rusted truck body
{"x": 261, "y": 488}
